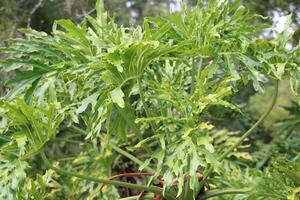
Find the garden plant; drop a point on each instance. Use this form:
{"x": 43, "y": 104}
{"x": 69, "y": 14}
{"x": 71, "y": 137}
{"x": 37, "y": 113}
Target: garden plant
{"x": 102, "y": 111}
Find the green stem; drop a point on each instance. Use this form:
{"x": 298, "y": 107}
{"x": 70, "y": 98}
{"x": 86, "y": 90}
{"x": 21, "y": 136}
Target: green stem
{"x": 70, "y": 141}
{"x": 193, "y": 76}
{"x": 152, "y": 189}
{"x": 260, "y": 120}
{"x": 131, "y": 157}
{"x": 79, "y": 130}
{"x": 119, "y": 150}
{"x": 200, "y": 67}
{"x": 214, "y": 193}
{"x": 146, "y": 196}
{"x": 147, "y": 110}
{"x": 205, "y": 175}
{"x": 187, "y": 190}
{"x": 245, "y": 135}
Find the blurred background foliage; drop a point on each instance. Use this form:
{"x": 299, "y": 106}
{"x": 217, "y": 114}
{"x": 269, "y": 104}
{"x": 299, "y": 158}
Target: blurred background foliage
{"x": 40, "y": 14}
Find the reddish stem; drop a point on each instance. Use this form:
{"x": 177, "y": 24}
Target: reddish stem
{"x": 136, "y": 174}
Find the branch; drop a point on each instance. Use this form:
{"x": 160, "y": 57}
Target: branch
{"x": 245, "y": 135}
{"x": 127, "y": 175}
{"x": 119, "y": 150}
{"x": 155, "y": 190}
{"x": 136, "y": 174}
{"x": 261, "y": 119}
{"x": 131, "y": 157}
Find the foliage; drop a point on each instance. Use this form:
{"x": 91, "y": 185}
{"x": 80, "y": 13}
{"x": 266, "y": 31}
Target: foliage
{"x": 281, "y": 181}
{"x": 278, "y": 181}
{"x": 151, "y": 88}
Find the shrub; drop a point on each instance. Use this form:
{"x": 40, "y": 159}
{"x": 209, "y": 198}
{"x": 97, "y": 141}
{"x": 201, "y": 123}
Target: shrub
{"x": 84, "y": 91}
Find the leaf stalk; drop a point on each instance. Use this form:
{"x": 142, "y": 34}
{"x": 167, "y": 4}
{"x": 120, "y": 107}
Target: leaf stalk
{"x": 152, "y": 189}
{"x": 245, "y": 135}
{"x": 131, "y": 157}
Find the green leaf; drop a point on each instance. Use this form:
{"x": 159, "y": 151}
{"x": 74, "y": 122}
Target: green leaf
{"x": 205, "y": 140}
{"x": 92, "y": 99}
{"x": 101, "y": 14}
{"x": 117, "y": 97}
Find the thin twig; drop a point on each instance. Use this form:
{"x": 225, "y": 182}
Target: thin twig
{"x": 137, "y": 174}
{"x": 39, "y": 4}
{"x": 79, "y": 16}
{"x": 131, "y": 157}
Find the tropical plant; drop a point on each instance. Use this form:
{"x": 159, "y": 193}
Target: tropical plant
{"x": 84, "y": 93}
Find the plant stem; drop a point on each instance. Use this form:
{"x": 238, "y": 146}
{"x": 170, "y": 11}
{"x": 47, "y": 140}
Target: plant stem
{"x": 193, "y": 76}
{"x": 119, "y": 150}
{"x": 200, "y": 67}
{"x": 127, "y": 175}
{"x": 146, "y": 196}
{"x": 136, "y": 174}
{"x": 153, "y": 126}
{"x": 260, "y": 120}
{"x": 245, "y": 135}
{"x": 131, "y": 157}
{"x": 152, "y": 189}
{"x": 70, "y": 141}
{"x": 214, "y": 193}
{"x": 79, "y": 130}
{"x": 187, "y": 190}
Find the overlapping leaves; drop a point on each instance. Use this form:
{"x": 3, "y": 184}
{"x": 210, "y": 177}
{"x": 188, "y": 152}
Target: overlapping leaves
{"x": 140, "y": 85}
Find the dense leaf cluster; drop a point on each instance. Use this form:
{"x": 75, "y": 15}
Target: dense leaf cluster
{"x": 83, "y": 89}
